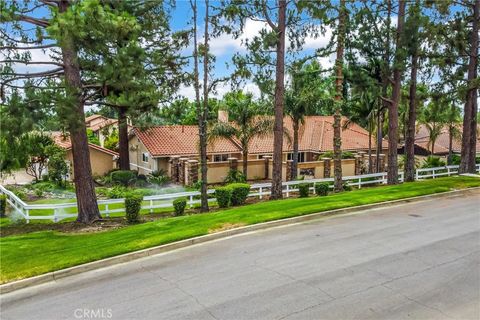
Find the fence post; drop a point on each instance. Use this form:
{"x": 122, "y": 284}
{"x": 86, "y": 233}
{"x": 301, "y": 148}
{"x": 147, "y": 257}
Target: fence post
{"x": 448, "y": 171}
{"x": 55, "y": 215}
{"x": 151, "y": 206}
{"x": 191, "y": 201}
{"x": 107, "y": 211}
{"x": 416, "y": 175}
{"x": 359, "y": 183}
{"x": 27, "y": 213}
{"x": 433, "y": 173}
{"x": 288, "y": 189}
{"x": 260, "y": 191}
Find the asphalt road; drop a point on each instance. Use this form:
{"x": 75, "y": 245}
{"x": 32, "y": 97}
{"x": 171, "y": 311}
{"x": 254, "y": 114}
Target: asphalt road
{"x": 412, "y": 261}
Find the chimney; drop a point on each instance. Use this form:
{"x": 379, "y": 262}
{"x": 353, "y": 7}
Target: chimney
{"x": 222, "y": 116}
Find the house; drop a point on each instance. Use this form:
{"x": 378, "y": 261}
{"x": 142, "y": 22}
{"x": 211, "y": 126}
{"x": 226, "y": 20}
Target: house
{"x": 155, "y": 148}
{"x": 101, "y": 126}
{"x": 102, "y": 160}
{"x": 423, "y": 145}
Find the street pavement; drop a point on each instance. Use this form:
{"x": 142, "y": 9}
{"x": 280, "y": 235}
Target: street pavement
{"x": 413, "y": 261}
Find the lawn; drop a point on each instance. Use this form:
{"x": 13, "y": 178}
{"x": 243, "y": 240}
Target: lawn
{"x": 35, "y": 253}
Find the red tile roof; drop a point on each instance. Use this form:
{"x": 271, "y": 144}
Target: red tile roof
{"x": 442, "y": 142}
{"x": 63, "y": 141}
{"x": 315, "y": 135}
{"x": 180, "y": 140}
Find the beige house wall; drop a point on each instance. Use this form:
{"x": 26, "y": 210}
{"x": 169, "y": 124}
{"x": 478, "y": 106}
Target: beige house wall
{"x": 101, "y": 162}
{"x": 256, "y": 169}
{"x": 217, "y": 171}
{"x": 136, "y": 148}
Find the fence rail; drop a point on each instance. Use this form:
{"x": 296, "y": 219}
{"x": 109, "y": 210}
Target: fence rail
{"x": 57, "y": 212}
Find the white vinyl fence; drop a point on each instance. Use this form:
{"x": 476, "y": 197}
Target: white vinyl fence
{"x": 57, "y": 212}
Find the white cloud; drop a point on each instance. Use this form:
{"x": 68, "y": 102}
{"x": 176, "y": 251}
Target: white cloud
{"x": 220, "y": 91}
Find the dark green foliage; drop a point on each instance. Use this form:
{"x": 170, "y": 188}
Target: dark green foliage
{"x": 303, "y": 189}
{"x": 124, "y": 177}
{"x": 92, "y": 138}
{"x": 158, "y": 180}
{"x": 235, "y": 176}
{"x": 455, "y": 159}
{"x": 240, "y": 193}
{"x": 179, "y": 206}
{"x": 347, "y": 187}
{"x": 432, "y": 162}
{"x": 3, "y": 205}
{"x": 223, "y": 195}
{"x": 133, "y": 203}
{"x": 321, "y": 189}
{"x": 57, "y": 167}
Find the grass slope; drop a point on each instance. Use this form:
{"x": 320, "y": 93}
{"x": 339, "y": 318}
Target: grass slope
{"x": 40, "y": 252}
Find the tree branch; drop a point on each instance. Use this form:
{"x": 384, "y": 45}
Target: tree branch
{"x": 36, "y": 21}
{"x": 32, "y": 62}
{"x": 267, "y": 17}
{"x": 46, "y": 46}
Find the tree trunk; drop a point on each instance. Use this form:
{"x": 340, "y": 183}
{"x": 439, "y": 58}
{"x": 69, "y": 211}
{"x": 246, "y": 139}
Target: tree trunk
{"x": 337, "y": 118}
{"x": 385, "y": 84}
{"x": 469, "y": 136}
{"x": 276, "y": 192}
{"x": 370, "y": 148}
{"x": 392, "y": 170}
{"x": 412, "y": 118}
{"x": 245, "y": 162}
{"x": 84, "y": 186}
{"x": 124, "y": 160}
{"x": 450, "y": 144}
{"x": 296, "y": 124}
{"x": 202, "y": 126}
{"x": 379, "y": 148}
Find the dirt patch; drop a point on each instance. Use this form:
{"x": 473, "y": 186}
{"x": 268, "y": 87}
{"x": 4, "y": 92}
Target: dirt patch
{"x": 226, "y": 226}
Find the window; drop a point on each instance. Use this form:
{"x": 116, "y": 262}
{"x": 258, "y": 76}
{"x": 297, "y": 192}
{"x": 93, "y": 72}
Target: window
{"x": 145, "y": 157}
{"x": 261, "y": 156}
{"x": 301, "y": 156}
{"x": 220, "y": 157}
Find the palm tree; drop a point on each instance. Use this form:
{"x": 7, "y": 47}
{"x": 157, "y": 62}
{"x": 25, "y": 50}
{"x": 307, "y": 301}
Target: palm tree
{"x": 306, "y": 95}
{"x": 433, "y": 118}
{"x": 245, "y": 125}
{"x": 452, "y": 119}
{"x": 364, "y": 111}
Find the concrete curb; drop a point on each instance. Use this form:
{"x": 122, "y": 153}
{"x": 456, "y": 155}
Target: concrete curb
{"x": 54, "y": 275}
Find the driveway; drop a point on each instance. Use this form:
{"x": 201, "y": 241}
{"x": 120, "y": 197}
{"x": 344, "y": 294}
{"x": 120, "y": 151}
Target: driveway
{"x": 411, "y": 261}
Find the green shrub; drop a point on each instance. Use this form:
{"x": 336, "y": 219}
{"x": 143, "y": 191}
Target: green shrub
{"x": 321, "y": 189}
{"x": 240, "y": 193}
{"x": 133, "y": 203}
{"x": 179, "y": 206}
{"x": 347, "y": 187}
{"x": 3, "y": 205}
{"x": 124, "y": 177}
{"x": 158, "y": 180}
{"x": 303, "y": 189}
{"x": 117, "y": 192}
{"x": 158, "y": 173}
{"x": 235, "y": 176}
{"x": 223, "y": 195}
{"x": 44, "y": 186}
{"x": 39, "y": 193}
{"x": 432, "y": 162}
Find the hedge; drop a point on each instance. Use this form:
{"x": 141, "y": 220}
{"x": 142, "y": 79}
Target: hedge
{"x": 179, "y": 206}
{"x": 240, "y": 193}
{"x": 133, "y": 203}
{"x": 223, "y": 195}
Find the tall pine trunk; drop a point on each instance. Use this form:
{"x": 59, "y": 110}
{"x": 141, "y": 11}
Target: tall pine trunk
{"x": 337, "y": 139}
{"x": 202, "y": 132}
{"x": 245, "y": 161}
{"x": 370, "y": 147}
{"x": 84, "y": 186}
{"x": 296, "y": 125}
{"x": 469, "y": 136}
{"x": 392, "y": 170}
{"x": 412, "y": 118}
{"x": 203, "y": 124}
{"x": 124, "y": 160}
{"x": 450, "y": 143}
{"x": 276, "y": 192}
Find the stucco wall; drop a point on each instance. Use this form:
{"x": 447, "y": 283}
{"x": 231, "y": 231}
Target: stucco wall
{"x": 101, "y": 162}
{"x": 256, "y": 169}
{"x": 217, "y": 171}
{"x": 136, "y": 148}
